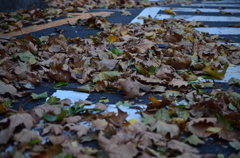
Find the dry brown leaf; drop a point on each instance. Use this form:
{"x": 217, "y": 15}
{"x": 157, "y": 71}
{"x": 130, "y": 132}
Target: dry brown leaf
{"x": 71, "y": 119}
{"x": 165, "y": 128}
{"x": 182, "y": 147}
{"x": 25, "y": 136}
{"x": 143, "y": 46}
{"x": 9, "y": 125}
{"x": 80, "y": 129}
{"x": 119, "y": 119}
{"x": 100, "y": 106}
{"x": 130, "y": 87}
{"x": 199, "y": 126}
{"x": 53, "y": 128}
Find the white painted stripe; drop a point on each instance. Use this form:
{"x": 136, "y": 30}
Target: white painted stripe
{"x": 152, "y": 11}
{"x": 236, "y": 44}
{"x": 206, "y": 10}
{"x": 220, "y": 2}
{"x": 219, "y": 30}
{"x": 202, "y": 18}
{"x": 212, "y": 5}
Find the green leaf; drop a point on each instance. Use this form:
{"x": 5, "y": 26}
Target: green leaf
{"x": 126, "y": 103}
{"x": 34, "y": 141}
{"x": 52, "y": 118}
{"x": 214, "y": 73}
{"x": 8, "y": 103}
{"x": 39, "y": 96}
{"x": 38, "y": 40}
{"x": 148, "y": 119}
{"x": 234, "y": 81}
{"x": 85, "y": 88}
{"x": 235, "y": 144}
{"x": 194, "y": 140}
{"x": 103, "y": 100}
{"x": 181, "y": 106}
{"x": 182, "y": 113}
{"x": 17, "y": 17}
{"x": 234, "y": 98}
{"x": 204, "y": 85}
{"x": 116, "y": 51}
{"x": 152, "y": 69}
{"x": 106, "y": 75}
{"x": 53, "y": 100}
{"x": 221, "y": 119}
{"x": 61, "y": 83}
{"x": 63, "y": 155}
{"x": 26, "y": 57}
{"x": 162, "y": 114}
{"x": 18, "y": 155}
{"x": 119, "y": 103}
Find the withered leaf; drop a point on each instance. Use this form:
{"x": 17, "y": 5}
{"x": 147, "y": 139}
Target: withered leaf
{"x": 119, "y": 119}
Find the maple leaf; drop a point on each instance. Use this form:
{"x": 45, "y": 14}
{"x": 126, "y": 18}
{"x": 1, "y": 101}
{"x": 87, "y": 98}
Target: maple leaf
{"x": 100, "y": 106}
{"x": 178, "y": 84}
{"x": 71, "y": 119}
{"x": 106, "y": 75}
{"x": 21, "y": 120}
{"x": 199, "y": 126}
{"x": 182, "y": 147}
{"x": 80, "y": 129}
{"x": 130, "y": 87}
{"x": 119, "y": 119}
{"x": 165, "y": 128}
{"x": 59, "y": 73}
{"x": 143, "y": 46}
{"x": 53, "y": 128}
{"x": 8, "y": 88}
{"x": 25, "y": 136}
{"x": 99, "y": 124}
{"x": 157, "y": 104}
{"x": 214, "y": 73}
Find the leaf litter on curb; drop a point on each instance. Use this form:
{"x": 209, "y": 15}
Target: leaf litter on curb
{"x": 160, "y": 56}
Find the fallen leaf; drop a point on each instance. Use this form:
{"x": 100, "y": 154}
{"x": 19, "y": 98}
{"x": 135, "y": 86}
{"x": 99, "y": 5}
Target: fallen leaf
{"x": 165, "y": 128}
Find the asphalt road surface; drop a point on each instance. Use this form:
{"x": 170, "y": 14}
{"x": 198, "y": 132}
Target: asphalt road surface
{"x": 209, "y": 13}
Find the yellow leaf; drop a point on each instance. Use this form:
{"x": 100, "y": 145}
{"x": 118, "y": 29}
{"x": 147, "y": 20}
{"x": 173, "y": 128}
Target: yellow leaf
{"x": 133, "y": 121}
{"x": 112, "y": 38}
{"x": 69, "y": 9}
{"x": 169, "y": 11}
{"x": 154, "y": 100}
{"x": 191, "y": 39}
{"x": 113, "y": 29}
{"x": 213, "y": 129}
{"x": 214, "y": 73}
{"x": 124, "y": 31}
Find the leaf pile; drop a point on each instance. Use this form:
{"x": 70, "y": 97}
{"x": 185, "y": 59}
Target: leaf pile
{"x": 160, "y": 56}
{"x": 55, "y": 8}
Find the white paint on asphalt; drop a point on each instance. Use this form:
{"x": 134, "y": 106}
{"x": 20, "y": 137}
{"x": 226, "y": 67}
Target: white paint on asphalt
{"x": 201, "y": 18}
{"x": 231, "y": 72}
{"x": 204, "y": 10}
{"x": 152, "y": 11}
{"x": 74, "y": 96}
{"x": 211, "y": 5}
{"x": 219, "y": 30}
{"x": 221, "y": 2}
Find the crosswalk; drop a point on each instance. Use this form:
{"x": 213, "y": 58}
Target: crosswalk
{"x": 210, "y": 14}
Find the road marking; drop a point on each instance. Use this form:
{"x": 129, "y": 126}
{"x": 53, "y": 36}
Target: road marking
{"x": 219, "y": 30}
{"x": 201, "y": 18}
{"x": 204, "y": 10}
{"x": 221, "y": 2}
{"x": 211, "y": 5}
